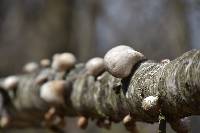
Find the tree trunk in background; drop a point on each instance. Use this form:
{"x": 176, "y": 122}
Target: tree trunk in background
{"x": 33, "y": 29}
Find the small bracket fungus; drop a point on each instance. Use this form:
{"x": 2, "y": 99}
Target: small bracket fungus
{"x": 95, "y": 66}
{"x": 45, "y": 62}
{"x": 63, "y": 62}
{"x": 150, "y": 103}
{"x": 120, "y": 60}
{"x": 62, "y": 122}
{"x": 50, "y": 114}
{"x": 57, "y": 121}
{"x": 5, "y": 121}
{"x": 30, "y": 67}
{"x": 82, "y": 122}
{"x": 107, "y": 124}
{"x": 53, "y": 92}
{"x": 127, "y": 119}
{"x": 129, "y": 123}
{"x": 11, "y": 82}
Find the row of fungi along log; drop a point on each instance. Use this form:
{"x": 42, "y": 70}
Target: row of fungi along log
{"x": 108, "y": 90}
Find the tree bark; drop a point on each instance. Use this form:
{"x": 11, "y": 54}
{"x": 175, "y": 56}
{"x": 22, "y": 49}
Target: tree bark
{"x": 176, "y": 84}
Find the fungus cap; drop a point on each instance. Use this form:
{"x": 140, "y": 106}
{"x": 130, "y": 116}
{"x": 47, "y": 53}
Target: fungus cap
{"x": 30, "y": 67}
{"x": 11, "y": 82}
{"x": 45, "y": 62}
{"x": 120, "y": 60}
{"x": 63, "y": 62}
{"x": 82, "y": 122}
{"x": 127, "y": 119}
{"x": 53, "y": 91}
{"x": 95, "y": 66}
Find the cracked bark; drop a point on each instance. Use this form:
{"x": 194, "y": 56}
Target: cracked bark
{"x": 106, "y": 97}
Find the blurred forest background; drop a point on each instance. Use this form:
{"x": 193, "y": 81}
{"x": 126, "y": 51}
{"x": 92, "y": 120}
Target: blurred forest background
{"x": 31, "y": 30}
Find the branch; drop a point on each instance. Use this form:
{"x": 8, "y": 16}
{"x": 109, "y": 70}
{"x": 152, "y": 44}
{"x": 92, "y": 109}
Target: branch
{"x": 168, "y": 87}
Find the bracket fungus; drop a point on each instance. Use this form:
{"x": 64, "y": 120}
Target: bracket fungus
{"x": 10, "y": 82}
{"x": 127, "y": 119}
{"x": 104, "y": 123}
{"x": 82, "y": 122}
{"x": 30, "y": 67}
{"x": 45, "y": 62}
{"x": 120, "y": 60}
{"x": 95, "y": 66}
{"x": 53, "y": 92}
{"x": 63, "y": 62}
{"x": 129, "y": 123}
{"x": 4, "y": 121}
{"x": 50, "y": 114}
